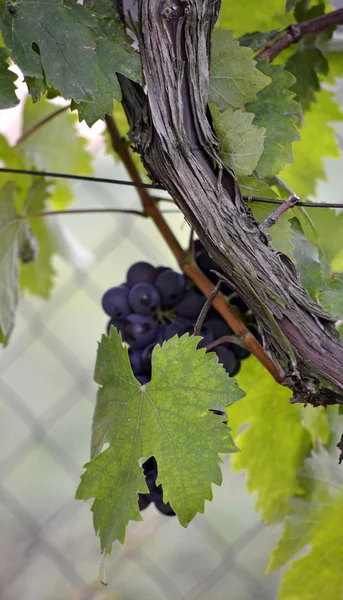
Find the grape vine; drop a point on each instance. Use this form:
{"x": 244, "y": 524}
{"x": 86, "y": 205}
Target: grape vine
{"x": 258, "y": 295}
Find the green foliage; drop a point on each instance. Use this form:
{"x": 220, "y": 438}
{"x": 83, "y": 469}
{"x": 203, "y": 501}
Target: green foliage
{"x": 235, "y": 80}
{"x": 7, "y": 79}
{"x": 241, "y": 142}
{"x": 14, "y": 234}
{"x": 331, "y": 297}
{"x": 243, "y": 17}
{"x": 55, "y": 147}
{"x": 306, "y": 65}
{"x": 318, "y": 140}
{"x": 251, "y": 186}
{"x": 281, "y": 233}
{"x": 274, "y": 432}
{"x": 277, "y": 112}
{"x": 169, "y": 419}
{"x": 37, "y": 276}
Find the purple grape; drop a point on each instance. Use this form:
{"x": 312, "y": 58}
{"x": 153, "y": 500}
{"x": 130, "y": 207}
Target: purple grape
{"x": 237, "y": 302}
{"x": 218, "y": 327}
{"x": 139, "y": 331}
{"x": 171, "y": 286}
{"x": 143, "y": 501}
{"x": 143, "y": 379}
{"x": 155, "y": 492}
{"x": 178, "y": 327}
{"x": 116, "y": 323}
{"x": 206, "y": 264}
{"x": 191, "y": 304}
{"x": 240, "y": 352}
{"x": 115, "y": 302}
{"x": 207, "y": 336}
{"x": 160, "y": 270}
{"x": 144, "y": 298}
{"x": 165, "y": 509}
{"x": 135, "y": 358}
{"x": 228, "y": 359}
{"x": 146, "y": 358}
{"x": 140, "y": 272}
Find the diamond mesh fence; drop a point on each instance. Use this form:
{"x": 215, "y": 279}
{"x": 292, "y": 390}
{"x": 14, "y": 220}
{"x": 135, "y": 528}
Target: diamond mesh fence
{"x": 48, "y": 549}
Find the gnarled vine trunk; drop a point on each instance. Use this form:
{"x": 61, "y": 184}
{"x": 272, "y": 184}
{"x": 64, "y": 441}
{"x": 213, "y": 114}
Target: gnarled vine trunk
{"x": 170, "y": 129}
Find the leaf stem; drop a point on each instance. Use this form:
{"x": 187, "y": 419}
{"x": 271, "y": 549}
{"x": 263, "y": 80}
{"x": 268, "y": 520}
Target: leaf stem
{"x": 40, "y": 124}
{"x": 294, "y": 33}
{"x": 189, "y": 267}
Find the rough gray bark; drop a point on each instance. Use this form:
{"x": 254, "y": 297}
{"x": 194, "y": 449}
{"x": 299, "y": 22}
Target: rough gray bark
{"x": 171, "y": 131}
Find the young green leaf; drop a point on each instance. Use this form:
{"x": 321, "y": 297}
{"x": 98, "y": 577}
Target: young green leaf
{"x": 276, "y": 111}
{"x": 55, "y": 147}
{"x": 275, "y": 443}
{"x": 241, "y": 142}
{"x": 168, "y": 418}
{"x": 235, "y": 80}
{"x": 47, "y": 36}
{"x": 8, "y": 99}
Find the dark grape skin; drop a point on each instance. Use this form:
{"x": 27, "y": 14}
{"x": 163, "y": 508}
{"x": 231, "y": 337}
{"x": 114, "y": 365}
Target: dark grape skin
{"x": 143, "y": 379}
{"x": 171, "y": 286}
{"x": 228, "y": 359}
{"x": 178, "y": 327}
{"x": 135, "y": 358}
{"x": 191, "y": 304}
{"x": 207, "y": 264}
{"x": 218, "y": 327}
{"x": 139, "y": 331}
{"x": 140, "y": 272}
{"x": 116, "y": 323}
{"x": 146, "y": 358}
{"x": 115, "y": 302}
{"x": 144, "y": 298}
{"x": 143, "y": 501}
{"x": 220, "y": 413}
{"x": 165, "y": 509}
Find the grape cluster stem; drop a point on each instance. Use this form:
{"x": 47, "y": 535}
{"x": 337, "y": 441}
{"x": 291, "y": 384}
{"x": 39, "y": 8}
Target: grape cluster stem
{"x": 185, "y": 259}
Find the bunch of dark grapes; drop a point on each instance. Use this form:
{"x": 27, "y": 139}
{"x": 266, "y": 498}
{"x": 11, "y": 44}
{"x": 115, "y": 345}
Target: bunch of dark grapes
{"x": 153, "y": 305}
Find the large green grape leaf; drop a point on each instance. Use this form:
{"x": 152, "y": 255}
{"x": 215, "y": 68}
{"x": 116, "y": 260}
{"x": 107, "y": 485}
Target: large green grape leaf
{"x": 47, "y": 35}
{"x": 55, "y": 147}
{"x": 318, "y": 140}
{"x": 14, "y": 158}
{"x": 37, "y": 276}
{"x": 272, "y": 440}
{"x": 8, "y": 99}
{"x": 168, "y": 418}
{"x": 14, "y": 233}
{"x": 235, "y": 80}
{"x": 241, "y": 142}
{"x": 276, "y": 111}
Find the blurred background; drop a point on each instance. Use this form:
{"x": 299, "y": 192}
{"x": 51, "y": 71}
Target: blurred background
{"x": 48, "y": 549}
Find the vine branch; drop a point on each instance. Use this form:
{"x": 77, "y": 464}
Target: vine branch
{"x": 294, "y": 33}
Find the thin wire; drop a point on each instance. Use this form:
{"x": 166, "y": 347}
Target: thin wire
{"x": 156, "y": 187}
